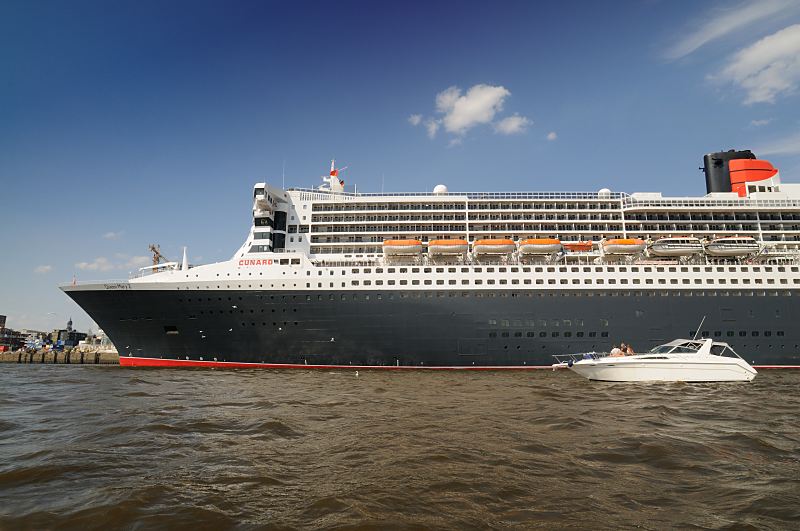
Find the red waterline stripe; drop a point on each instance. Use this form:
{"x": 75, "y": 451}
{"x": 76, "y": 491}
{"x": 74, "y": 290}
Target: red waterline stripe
{"x": 129, "y": 361}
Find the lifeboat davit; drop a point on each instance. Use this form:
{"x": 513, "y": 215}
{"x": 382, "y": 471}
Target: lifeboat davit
{"x": 673, "y": 246}
{"x": 402, "y": 247}
{"x": 578, "y": 247}
{"x": 623, "y": 246}
{"x": 539, "y": 246}
{"x": 447, "y": 247}
{"x": 494, "y": 247}
{"x": 732, "y": 246}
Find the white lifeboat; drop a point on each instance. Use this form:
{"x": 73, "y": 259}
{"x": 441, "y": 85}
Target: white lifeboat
{"x": 732, "y": 246}
{"x": 623, "y": 246}
{"x": 501, "y": 246}
{"x": 533, "y": 246}
{"x": 676, "y": 246}
{"x": 402, "y": 247}
{"x": 447, "y": 247}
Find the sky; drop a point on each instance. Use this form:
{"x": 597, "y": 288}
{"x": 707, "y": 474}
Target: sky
{"x": 135, "y": 122}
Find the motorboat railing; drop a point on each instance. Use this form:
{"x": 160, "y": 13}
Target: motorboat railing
{"x": 565, "y": 359}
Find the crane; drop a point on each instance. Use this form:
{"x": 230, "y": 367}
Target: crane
{"x": 157, "y": 256}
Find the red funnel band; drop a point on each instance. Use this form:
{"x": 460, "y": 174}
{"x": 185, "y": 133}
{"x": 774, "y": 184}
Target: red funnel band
{"x": 748, "y": 170}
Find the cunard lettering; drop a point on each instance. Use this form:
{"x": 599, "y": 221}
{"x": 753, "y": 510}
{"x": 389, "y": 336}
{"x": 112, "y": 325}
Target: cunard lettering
{"x": 256, "y": 262}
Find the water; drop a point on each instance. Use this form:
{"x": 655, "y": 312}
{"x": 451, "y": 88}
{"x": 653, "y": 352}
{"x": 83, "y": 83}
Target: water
{"x": 105, "y": 447}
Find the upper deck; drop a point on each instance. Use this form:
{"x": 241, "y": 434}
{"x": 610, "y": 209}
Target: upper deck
{"x": 331, "y": 221}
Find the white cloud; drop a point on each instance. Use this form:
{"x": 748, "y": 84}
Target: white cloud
{"x": 447, "y": 98}
{"x": 432, "y": 126}
{"x": 135, "y": 262}
{"x": 478, "y": 106}
{"x": 457, "y": 141}
{"x": 122, "y": 261}
{"x": 760, "y": 123}
{"x": 552, "y": 136}
{"x": 789, "y": 145}
{"x": 458, "y": 112}
{"x": 512, "y": 125}
{"x": 722, "y": 22}
{"x": 42, "y": 269}
{"x": 112, "y": 235}
{"x": 768, "y": 67}
{"x": 101, "y": 263}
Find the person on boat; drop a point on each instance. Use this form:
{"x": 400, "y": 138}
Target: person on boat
{"x": 616, "y": 352}
{"x": 630, "y": 351}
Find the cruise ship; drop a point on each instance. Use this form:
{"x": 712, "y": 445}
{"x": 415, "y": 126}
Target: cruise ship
{"x": 329, "y": 278}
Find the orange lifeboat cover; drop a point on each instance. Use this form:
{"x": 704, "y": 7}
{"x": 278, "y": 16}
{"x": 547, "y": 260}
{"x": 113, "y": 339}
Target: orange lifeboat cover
{"x": 401, "y": 243}
{"x": 494, "y": 242}
{"x": 540, "y": 241}
{"x": 447, "y": 242}
{"x": 624, "y": 241}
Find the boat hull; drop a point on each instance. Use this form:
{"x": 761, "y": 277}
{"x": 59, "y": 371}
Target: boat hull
{"x": 623, "y": 248}
{"x": 459, "y": 328}
{"x": 539, "y": 249}
{"x": 726, "y": 251}
{"x": 675, "y": 250}
{"x": 712, "y": 370}
{"x": 447, "y": 250}
{"x": 494, "y": 249}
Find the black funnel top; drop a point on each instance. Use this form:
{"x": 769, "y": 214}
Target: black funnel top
{"x": 715, "y": 166}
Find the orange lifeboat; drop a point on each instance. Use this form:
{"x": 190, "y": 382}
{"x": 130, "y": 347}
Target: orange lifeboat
{"x": 402, "y": 247}
{"x": 623, "y": 246}
{"x": 501, "y": 246}
{"x": 578, "y": 247}
{"x": 447, "y": 247}
{"x": 539, "y": 246}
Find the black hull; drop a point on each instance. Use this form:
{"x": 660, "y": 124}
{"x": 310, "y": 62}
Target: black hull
{"x": 432, "y": 329}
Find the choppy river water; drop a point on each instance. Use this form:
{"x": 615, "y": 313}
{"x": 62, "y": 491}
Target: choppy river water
{"x": 106, "y": 447}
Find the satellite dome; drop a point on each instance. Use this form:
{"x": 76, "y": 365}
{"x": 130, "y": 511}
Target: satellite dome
{"x": 440, "y": 189}
{"x": 604, "y": 193}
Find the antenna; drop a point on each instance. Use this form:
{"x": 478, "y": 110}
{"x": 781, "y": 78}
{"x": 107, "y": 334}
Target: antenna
{"x": 383, "y": 178}
{"x": 283, "y": 175}
{"x": 699, "y": 327}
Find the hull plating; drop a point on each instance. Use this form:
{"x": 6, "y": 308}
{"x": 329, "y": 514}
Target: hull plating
{"x": 428, "y": 329}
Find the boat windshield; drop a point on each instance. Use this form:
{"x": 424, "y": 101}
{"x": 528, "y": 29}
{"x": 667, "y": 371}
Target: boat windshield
{"x": 723, "y": 350}
{"x": 684, "y": 349}
{"x": 661, "y": 349}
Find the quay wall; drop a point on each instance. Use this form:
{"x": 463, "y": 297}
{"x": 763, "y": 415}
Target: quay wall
{"x": 65, "y": 357}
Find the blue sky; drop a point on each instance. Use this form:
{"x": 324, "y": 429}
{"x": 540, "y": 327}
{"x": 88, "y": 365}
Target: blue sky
{"x": 129, "y": 123}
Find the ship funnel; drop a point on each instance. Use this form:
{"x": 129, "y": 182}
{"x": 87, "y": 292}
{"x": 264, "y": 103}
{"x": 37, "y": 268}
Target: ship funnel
{"x": 715, "y": 166}
{"x": 185, "y": 262}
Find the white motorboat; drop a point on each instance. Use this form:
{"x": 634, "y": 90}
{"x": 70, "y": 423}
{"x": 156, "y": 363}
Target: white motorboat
{"x": 682, "y": 360}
